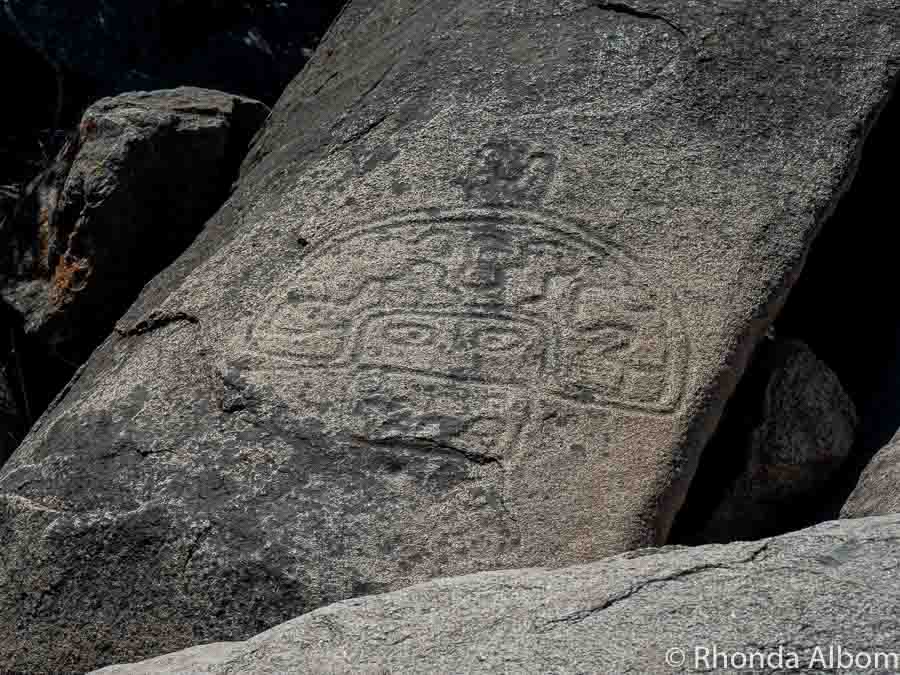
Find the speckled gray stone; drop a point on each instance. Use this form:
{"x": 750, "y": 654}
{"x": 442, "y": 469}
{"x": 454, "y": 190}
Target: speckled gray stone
{"x": 488, "y": 277}
{"x": 802, "y": 596}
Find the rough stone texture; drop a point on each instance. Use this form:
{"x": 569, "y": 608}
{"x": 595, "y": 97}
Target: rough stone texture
{"x": 831, "y": 585}
{"x": 120, "y": 202}
{"x": 784, "y": 436}
{"x": 252, "y": 48}
{"x": 877, "y": 491}
{"x": 487, "y": 280}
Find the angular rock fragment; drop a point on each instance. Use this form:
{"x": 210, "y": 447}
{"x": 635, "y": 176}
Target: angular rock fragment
{"x": 784, "y": 437}
{"x": 488, "y": 277}
{"x": 121, "y": 201}
{"x": 760, "y": 607}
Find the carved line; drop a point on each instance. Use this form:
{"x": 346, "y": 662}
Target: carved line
{"x": 352, "y": 350}
{"x": 354, "y": 337}
{"x": 673, "y": 372}
{"x": 518, "y": 219}
{"x": 289, "y": 370}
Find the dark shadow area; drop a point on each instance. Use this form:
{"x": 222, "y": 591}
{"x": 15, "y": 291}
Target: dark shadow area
{"x": 15, "y": 399}
{"x": 29, "y": 141}
{"x": 30, "y": 132}
{"x": 21, "y": 126}
{"x": 845, "y": 308}
{"x": 725, "y": 458}
{"x": 845, "y": 305}
{"x": 254, "y": 48}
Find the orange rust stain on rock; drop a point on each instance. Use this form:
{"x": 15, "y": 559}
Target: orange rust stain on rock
{"x": 69, "y": 277}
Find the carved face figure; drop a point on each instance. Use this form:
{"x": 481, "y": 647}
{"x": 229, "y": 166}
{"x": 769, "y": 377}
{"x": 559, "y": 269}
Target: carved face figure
{"x": 443, "y": 326}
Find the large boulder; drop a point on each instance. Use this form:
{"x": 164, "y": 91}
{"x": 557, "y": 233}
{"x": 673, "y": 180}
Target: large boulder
{"x": 876, "y": 492}
{"x": 121, "y": 201}
{"x": 818, "y": 601}
{"x": 488, "y": 278}
{"x": 785, "y": 435}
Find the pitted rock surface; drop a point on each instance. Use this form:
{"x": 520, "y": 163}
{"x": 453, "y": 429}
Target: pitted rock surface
{"x": 487, "y": 279}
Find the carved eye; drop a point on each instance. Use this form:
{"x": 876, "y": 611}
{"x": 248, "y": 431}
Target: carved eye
{"x": 499, "y": 339}
{"x": 415, "y": 334}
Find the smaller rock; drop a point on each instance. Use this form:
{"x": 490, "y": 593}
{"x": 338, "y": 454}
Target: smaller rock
{"x": 785, "y": 434}
{"x": 123, "y": 199}
{"x": 876, "y": 491}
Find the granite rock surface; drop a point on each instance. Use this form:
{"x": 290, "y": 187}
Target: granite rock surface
{"x": 808, "y": 602}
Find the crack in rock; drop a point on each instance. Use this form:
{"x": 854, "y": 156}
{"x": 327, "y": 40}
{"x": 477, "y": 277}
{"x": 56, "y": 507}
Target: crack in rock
{"x": 430, "y": 446}
{"x": 621, "y": 8}
{"x": 155, "y": 321}
{"x": 195, "y": 545}
{"x": 581, "y": 615}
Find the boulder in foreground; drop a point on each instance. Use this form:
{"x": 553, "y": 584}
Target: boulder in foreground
{"x": 829, "y": 587}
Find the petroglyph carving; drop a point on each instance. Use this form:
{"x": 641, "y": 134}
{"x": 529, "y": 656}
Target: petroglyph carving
{"x": 449, "y": 325}
{"x": 509, "y": 172}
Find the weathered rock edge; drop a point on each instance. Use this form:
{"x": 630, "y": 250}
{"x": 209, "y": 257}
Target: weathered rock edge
{"x": 834, "y": 584}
